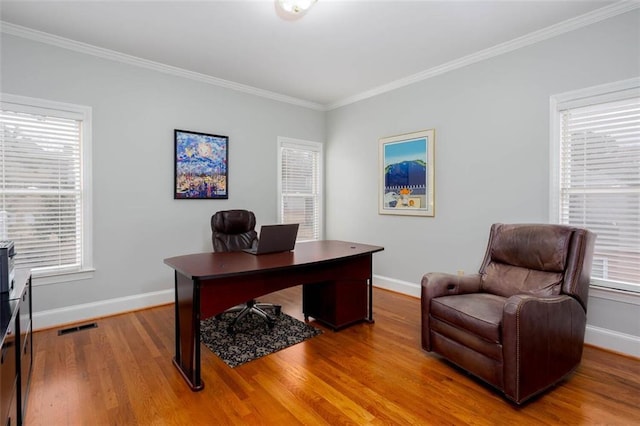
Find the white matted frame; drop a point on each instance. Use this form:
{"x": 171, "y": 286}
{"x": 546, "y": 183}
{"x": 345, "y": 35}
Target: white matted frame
{"x": 406, "y": 174}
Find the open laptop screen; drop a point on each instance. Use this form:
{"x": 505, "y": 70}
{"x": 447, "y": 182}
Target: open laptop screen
{"x": 276, "y": 238}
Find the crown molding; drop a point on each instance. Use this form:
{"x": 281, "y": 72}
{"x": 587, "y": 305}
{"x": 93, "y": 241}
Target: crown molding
{"x": 65, "y": 43}
{"x": 499, "y": 49}
{"x": 593, "y": 17}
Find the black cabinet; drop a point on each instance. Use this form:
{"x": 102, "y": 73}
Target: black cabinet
{"x": 17, "y": 355}
{"x": 26, "y": 349}
{"x": 8, "y": 370}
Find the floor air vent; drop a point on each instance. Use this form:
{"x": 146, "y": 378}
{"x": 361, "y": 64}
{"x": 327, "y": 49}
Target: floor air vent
{"x": 77, "y": 328}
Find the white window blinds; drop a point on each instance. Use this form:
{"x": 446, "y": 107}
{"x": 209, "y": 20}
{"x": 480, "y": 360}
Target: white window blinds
{"x": 41, "y": 186}
{"x": 599, "y": 177}
{"x": 300, "y": 177}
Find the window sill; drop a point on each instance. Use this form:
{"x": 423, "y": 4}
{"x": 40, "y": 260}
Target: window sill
{"x": 48, "y": 278}
{"x": 629, "y": 297}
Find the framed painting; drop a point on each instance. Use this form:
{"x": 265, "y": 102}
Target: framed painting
{"x": 406, "y": 174}
{"x": 201, "y": 166}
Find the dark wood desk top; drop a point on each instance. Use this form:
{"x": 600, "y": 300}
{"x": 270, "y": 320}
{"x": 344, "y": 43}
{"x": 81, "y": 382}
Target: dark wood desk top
{"x": 219, "y": 265}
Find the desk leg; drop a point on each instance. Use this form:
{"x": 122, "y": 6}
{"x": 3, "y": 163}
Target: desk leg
{"x": 370, "y": 316}
{"x": 187, "y": 318}
{"x": 370, "y": 282}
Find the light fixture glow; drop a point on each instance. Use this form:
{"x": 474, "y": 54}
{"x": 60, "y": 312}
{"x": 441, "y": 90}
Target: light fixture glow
{"x": 296, "y": 7}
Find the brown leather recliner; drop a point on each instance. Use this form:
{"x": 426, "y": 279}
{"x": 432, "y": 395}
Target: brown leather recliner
{"x": 519, "y": 324}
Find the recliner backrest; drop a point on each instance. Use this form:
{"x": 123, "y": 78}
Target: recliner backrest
{"x": 537, "y": 259}
{"x": 233, "y": 230}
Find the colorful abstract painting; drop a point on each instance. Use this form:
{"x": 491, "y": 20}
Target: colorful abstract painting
{"x": 201, "y": 166}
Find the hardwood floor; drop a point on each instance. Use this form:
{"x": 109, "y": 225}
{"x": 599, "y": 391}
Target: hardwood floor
{"x": 121, "y": 374}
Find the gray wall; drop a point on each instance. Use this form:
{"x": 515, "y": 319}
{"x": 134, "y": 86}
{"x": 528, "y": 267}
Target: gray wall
{"x": 491, "y": 155}
{"x": 137, "y": 223}
{"x": 492, "y": 160}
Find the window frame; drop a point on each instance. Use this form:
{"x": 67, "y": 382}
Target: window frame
{"x": 283, "y": 142}
{"x": 604, "y": 93}
{"x": 84, "y": 114}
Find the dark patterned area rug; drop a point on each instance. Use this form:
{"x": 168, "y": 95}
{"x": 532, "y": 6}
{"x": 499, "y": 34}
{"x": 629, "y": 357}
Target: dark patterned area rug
{"x": 252, "y": 339}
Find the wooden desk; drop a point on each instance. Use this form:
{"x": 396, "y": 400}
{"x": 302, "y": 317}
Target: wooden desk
{"x": 335, "y": 275}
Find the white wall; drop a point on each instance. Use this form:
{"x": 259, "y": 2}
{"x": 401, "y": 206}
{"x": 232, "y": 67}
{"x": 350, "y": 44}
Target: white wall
{"x": 137, "y": 223}
{"x": 491, "y": 157}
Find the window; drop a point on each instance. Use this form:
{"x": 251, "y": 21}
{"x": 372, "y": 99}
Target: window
{"x": 596, "y": 182}
{"x": 300, "y": 186}
{"x": 44, "y": 185}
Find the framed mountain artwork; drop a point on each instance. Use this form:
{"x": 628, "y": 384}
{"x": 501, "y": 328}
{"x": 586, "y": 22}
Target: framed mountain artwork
{"x": 407, "y": 174}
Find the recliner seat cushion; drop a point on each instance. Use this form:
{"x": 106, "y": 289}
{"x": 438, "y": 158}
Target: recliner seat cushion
{"x": 463, "y": 337}
{"x": 478, "y": 313}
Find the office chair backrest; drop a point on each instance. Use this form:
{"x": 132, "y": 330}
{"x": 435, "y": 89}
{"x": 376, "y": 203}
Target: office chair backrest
{"x": 233, "y": 230}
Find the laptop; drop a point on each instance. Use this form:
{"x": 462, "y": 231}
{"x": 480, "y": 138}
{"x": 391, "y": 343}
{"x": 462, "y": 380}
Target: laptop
{"x": 275, "y": 238}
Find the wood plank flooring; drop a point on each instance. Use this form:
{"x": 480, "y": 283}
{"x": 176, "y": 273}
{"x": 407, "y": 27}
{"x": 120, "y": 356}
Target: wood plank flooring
{"x": 369, "y": 374}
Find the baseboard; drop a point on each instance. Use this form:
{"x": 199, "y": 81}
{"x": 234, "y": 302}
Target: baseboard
{"x": 612, "y": 340}
{"x": 87, "y": 311}
{"x": 398, "y": 286}
{"x": 608, "y": 339}
{"x": 77, "y": 313}
{"x": 601, "y": 337}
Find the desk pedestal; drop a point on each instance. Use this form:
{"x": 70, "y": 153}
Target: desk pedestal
{"x": 336, "y": 304}
{"x": 343, "y": 300}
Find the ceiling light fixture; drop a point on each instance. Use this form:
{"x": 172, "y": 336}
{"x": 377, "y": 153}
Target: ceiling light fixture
{"x": 296, "y": 7}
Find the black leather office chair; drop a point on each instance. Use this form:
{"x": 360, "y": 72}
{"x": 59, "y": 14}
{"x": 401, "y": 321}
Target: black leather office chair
{"x": 234, "y": 230}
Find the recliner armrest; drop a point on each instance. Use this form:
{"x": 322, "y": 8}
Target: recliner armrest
{"x": 436, "y": 284}
{"x": 542, "y": 340}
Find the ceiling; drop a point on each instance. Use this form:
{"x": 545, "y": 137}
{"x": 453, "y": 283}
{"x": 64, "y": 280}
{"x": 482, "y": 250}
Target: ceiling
{"x": 339, "y": 51}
